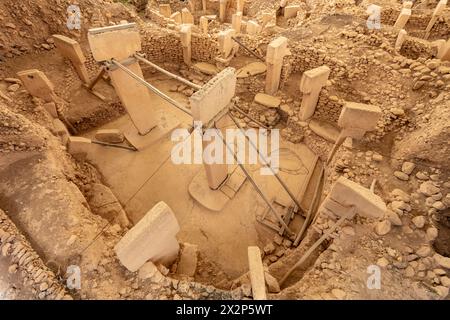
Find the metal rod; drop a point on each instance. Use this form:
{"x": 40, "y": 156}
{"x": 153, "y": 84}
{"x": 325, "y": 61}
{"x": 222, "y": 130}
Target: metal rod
{"x": 113, "y": 145}
{"x": 97, "y": 79}
{"x": 152, "y": 88}
{"x": 254, "y": 120}
{"x": 313, "y": 247}
{"x": 181, "y": 79}
{"x": 266, "y": 163}
{"x": 310, "y": 210}
{"x": 258, "y": 189}
{"x": 248, "y": 49}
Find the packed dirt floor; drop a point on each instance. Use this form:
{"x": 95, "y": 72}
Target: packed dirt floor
{"x": 76, "y": 205}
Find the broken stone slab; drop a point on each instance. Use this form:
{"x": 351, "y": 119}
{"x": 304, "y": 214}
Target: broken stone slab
{"x": 252, "y": 69}
{"x": 152, "y": 238}
{"x": 206, "y": 68}
{"x": 257, "y": 278}
{"x": 188, "y": 260}
{"x": 109, "y": 135}
{"x": 104, "y": 203}
{"x": 50, "y": 107}
{"x": 61, "y": 131}
{"x": 348, "y": 193}
{"x": 79, "y": 146}
{"x": 37, "y": 84}
{"x": 324, "y": 129}
{"x": 267, "y": 100}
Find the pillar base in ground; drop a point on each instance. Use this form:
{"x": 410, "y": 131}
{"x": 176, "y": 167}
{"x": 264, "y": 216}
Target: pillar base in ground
{"x": 215, "y": 200}
{"x": 165, "y": 125}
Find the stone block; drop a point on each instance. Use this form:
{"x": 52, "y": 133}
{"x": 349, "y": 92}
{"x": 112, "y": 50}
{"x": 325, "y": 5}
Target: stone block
{"x": 152, "y": 238}
{"x": 109, "y": 135}
{"x": 256, "y": 274}
{"x": 37, "y": 84}
{"x": 348, "y": 193}
{"x": 188, "y": 260}
{"x": 359, "y": 115}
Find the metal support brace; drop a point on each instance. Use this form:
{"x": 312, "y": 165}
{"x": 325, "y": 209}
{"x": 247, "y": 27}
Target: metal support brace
{"x": 152, "y": 88}
{"x": 141, "y": 58}
{"x": 257, "y": 188}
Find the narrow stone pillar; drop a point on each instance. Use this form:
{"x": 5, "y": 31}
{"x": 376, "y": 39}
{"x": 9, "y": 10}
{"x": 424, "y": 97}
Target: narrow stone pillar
{"x": 186, "y": 16}
{"x": 222, "y": 10}
{"x": 71, "y": 50}
{"x": 236, "y": 21}
{"x": 444, "y": 51}
{"x": 276, "y": 51}
{"x": 204, "y": 5}
{"x": 240, "y": 5}
{"x": 216, "y": 173}
{"x": 257, "y": 278}
{"x": 310, "y": 85}
{"x": 402, "y": 19}
{"x": 437, "y": 12}
{"x": 203, "y": 24}
{"x": 253, "y": 27}
{"x": 165, "y": 10}
{"x": 37, "y": 84}
{"x": 226, "y": 43}
{"x": 400, "y": 39}
{"x": 186, "y": 36}
{"x": 176, "y": 16}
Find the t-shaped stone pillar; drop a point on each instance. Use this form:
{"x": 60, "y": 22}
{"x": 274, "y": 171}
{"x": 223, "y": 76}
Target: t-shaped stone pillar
{"x": 186, "y": 16}
{"x": 222, "y": 10}
{"x": 206, "y": 104}
{"x": 37, "y": 84}
{"x": 203, "y": 23}
{"x": 437, "y": 12}
{"x": 185, "y": 37}
{"x": 236, "y": 21}
{"x": 71, "y": 50}
{"x": 402, "y": 19}
{"x": 346, "y": 194}
{"x": 310, "y": 85}
{"x": 355, "y": 120}
{"x": 152, "y": 238}
{"x": 226, "y": 43}
{"x": 276, "y": 51}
